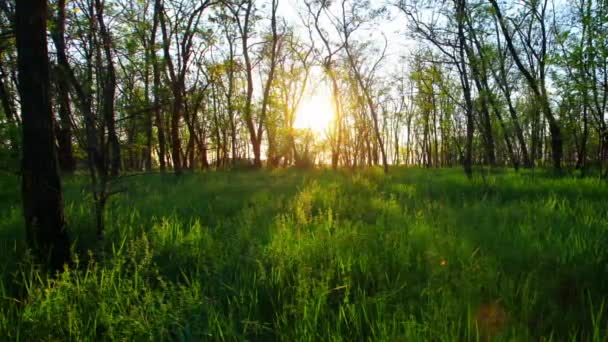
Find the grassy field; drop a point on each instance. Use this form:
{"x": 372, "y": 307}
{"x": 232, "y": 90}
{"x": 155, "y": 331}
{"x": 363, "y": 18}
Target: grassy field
{"x": 320, "y": 255}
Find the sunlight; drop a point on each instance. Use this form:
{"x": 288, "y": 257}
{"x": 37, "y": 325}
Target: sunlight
{"x": 316, "y": 111}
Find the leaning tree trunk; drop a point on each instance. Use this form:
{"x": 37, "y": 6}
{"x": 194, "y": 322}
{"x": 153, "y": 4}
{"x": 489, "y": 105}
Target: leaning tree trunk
{"x": 41, "y": 187}
{"x": 537, "y": 86}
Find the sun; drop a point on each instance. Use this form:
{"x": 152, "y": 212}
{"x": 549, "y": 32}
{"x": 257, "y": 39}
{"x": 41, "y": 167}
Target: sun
{"x": 316, "y": 111}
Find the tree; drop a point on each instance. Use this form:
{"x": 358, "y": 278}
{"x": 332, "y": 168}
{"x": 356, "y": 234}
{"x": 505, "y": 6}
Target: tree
{"x": 536, "y": 81}
{"x": 109, "y": 89}
{"x": 292, "y": 81}
{"x": 315, "y": 10}
{"x": 182, "y": 29}
{"x": 67, "y": 162}
{"x": 243, "y": 14}
{"x": 274, "y": 46}
{"x": 156, "y": 72}
{"x": 453, "y": 46}
{"x": 349, "y": 22}
{"x": 41, "y": 187}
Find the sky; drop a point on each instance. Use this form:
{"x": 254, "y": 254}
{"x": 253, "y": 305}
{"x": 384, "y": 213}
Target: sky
{"x": 394, "y": 28}
{"x": 316, "y": 110}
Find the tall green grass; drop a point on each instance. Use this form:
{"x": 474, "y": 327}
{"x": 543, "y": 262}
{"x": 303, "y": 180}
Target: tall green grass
{"x": 320, "y": 255}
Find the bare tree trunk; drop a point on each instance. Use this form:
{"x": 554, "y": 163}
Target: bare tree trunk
{"x": 466, "y": 87}
{"x": 109, "y": 92}
{"x": 147, "y": 153}
{"x": 41, "y": 187}
{"x": 175, "y": 139}
{"x": 229, "y": 98}
{"x": 248, "y": 111}
{"x": 67, "y": 163}
{"x": 158, "y": 112}
{"x": 270, "y": 79}
{"x": 96, "y": 157}
{"x": 8, "y": 106}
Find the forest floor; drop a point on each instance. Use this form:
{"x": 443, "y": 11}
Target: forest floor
{"x": 320, "y": 255}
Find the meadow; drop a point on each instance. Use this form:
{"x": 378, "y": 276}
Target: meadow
{"x": 319, "y": 255}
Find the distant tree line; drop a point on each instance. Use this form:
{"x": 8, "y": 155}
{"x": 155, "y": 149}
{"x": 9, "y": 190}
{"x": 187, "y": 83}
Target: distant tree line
{"x": 198, "y": 84}
{"x": 529, "y": 80}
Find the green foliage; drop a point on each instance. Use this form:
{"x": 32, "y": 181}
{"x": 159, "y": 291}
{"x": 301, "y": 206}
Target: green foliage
{"x": 318, "y": 255}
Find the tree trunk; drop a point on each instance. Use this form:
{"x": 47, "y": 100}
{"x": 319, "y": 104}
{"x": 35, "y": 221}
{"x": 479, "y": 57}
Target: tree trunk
{"x": 337, "y": 136}
{"x": 372, "y": 108}
{"x": 158, "y": 112}
{"x": 478, "y": 74}
{"x": 175, "y": 140}
{"x": 11, "y": 116}
{"x": 537, "y": 86}
{"x": 248, "y": 111}
{"x": 147, "y": 153}
{"x": 109, "y": 92}
{"x": 41, "y": 186}
{"x": 503, "y": 84}
{"x": 67, "y": 163}
{"x": 466, "y": 87}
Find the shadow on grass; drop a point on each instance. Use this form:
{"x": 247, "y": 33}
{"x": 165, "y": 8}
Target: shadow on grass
{"x": 545, "y": 236}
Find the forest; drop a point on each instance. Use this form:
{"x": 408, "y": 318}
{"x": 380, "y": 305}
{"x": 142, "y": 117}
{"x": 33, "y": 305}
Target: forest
{"x": 303, "y": 170}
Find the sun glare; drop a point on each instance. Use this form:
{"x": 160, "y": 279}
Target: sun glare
{"x": 316, "y": 111}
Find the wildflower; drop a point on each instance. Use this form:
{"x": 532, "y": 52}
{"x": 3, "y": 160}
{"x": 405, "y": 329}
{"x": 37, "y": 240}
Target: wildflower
{"x": 443, "y": 263}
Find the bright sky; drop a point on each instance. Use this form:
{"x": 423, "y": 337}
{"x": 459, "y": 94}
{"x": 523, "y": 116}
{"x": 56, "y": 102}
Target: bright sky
{"x": 316, "y": 110}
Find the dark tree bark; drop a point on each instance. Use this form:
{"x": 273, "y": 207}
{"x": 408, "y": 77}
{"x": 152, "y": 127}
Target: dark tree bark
{"x": 156, "y": 70}
{"x": 176, "y": 88}
{"x": 67, "y": 163}
{"x": 466, "y": 88}
{"x": 9, "y": 111}
{"x": 5, "y": 98}
{"x": 96, "y": 156}
{"x": 177, "y": 73}
{"x": 230, "y": 94}
{"x": 269, "y": 83}
{"x": 41, "y": 186}
{"x": 149, "y": 49}
{"x": 109, "y": 91}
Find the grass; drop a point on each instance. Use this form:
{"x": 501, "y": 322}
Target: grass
{"x": 320, "y": 255}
